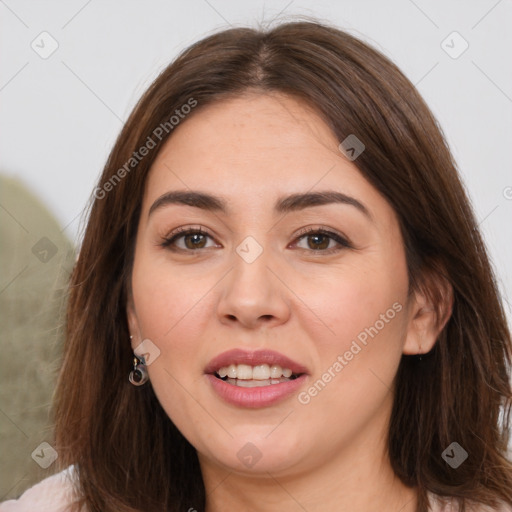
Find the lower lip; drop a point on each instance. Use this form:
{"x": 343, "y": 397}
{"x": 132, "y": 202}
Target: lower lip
{"x": 258, "y": 396}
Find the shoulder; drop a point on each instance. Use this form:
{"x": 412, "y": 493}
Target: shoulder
{"x": 53, "y": 494}
{"x": 444, "y": 504}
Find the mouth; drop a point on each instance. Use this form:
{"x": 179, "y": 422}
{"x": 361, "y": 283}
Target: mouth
{"x": 254, "y": 369}
{"x": 247, "y": 376}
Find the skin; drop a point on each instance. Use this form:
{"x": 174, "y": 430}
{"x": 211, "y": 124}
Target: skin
{"x": 309, "y": 305}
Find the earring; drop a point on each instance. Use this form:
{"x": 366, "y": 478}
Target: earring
{"x": 420, "y": 357}
{"x": 139, "y": 374}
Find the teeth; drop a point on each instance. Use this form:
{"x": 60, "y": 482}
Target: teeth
{"x": 276, "y": 371}
{"x": 256, "y": 383}
{"x": 262, "y": 372}
{"x": 231, "y": 371}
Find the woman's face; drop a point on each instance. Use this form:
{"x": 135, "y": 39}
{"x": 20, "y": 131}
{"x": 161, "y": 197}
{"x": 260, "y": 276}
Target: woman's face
{"x": 255, "y": 280}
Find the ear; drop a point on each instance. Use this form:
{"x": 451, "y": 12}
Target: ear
{"x": 429, "y": 310}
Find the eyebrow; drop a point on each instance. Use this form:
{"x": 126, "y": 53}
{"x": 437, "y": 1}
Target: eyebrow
{"x": 291, "y": 203}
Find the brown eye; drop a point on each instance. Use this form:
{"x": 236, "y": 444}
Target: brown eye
{"x": 193, "y": 239}
{"x": 319, "y": 239}
{"x": 196, "y": 240}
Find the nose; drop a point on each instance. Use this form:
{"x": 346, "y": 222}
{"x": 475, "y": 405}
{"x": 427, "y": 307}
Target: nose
{"x": 253, "y": 294}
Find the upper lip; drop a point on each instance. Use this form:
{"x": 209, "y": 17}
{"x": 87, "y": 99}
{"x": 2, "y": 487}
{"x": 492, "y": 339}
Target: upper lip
{"x": 253, "y": 358}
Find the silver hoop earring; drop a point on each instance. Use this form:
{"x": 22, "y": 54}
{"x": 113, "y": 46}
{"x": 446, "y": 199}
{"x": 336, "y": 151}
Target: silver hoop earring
{"x": 139, "y": 375}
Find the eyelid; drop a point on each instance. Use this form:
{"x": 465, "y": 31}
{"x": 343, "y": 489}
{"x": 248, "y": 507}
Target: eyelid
{"x": 342, "y": 241}
{"x": 182, "y": 231}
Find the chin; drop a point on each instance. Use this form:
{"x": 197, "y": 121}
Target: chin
{"x": 254, "y": 454}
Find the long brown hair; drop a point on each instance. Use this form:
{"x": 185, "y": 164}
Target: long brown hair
{"x": 127, "y": 452}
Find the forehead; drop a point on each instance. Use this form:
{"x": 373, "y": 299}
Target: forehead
{"x": 254, "y": 148}
{"x": 251, "y": 130}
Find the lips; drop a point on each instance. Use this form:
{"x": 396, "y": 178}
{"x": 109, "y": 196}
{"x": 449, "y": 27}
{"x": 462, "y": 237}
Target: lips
{"x": 255, "y": 358}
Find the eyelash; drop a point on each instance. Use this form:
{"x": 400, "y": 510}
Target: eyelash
{"x": 168, "y": 241}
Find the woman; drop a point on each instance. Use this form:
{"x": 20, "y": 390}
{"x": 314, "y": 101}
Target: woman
{"x": 282, "y": 299}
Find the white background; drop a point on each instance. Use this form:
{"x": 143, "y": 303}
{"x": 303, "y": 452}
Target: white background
{"x": 59, "y": 116}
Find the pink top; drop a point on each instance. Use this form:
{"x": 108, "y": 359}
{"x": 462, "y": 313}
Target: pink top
{"x": 55, "y": 494}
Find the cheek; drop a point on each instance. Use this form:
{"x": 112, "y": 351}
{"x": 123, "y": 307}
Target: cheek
{"x": 165, "y": 301}
{"x": 173, "y": 311}
{"x": 357, "y": 362}
{"x": 354, "y": 300}
{"x": 364, "y": 307}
